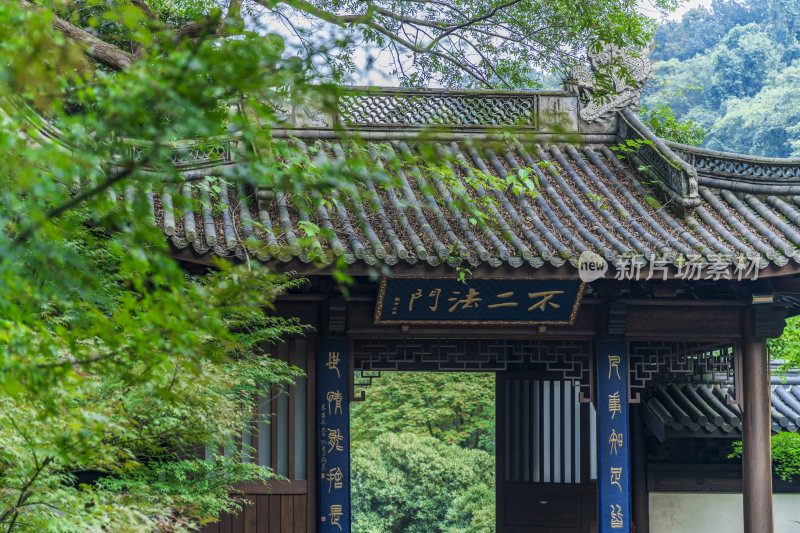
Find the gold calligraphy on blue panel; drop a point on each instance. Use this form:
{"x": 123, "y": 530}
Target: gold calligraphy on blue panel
{"x": 333, "y": 445}
{"x": 613, "y": 451}
{"x": 477, "y": 301}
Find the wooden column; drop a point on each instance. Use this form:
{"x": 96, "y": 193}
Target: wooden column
{"x": 756, "y": 445}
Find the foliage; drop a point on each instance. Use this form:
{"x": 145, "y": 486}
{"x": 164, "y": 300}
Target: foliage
{"x": 785, "y": 454}
{"x": 701, "y": 28}
{"x": 740, "y": 63}
{"x": 454, "y": 407}
{"x": 405, "y": 483}
{"x": 744, "y": 55}
{"x": 131, "y": 415}
{"x": 767, "y": 123}
{"x": 473, "y": 510}
{"x": 115, "y": 364}
{"x": 423, "y": 453}
{"x": 786, "y": 348}
{"x": 189, "y": 483}
{"x": 662, "y": 121}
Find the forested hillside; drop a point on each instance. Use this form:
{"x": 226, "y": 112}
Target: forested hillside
{"x": 734, "y": 69}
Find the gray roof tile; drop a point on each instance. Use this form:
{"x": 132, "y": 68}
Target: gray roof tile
{"x": 702, "y": 410}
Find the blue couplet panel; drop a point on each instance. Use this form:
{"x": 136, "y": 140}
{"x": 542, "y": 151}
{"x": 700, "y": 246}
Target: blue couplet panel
{"x": 333, "y": 437}
{"x": 613, "y": 443}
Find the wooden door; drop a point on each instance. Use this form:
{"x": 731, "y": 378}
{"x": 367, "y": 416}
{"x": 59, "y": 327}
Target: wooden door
{"x": 544, "y": 456}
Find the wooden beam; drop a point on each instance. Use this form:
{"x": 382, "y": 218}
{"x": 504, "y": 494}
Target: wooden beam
{"x": 654, "y": 319}
{"x": 656, "y": 426}
{"x": 756, "y": 445}
{"x": 706, "y": 478}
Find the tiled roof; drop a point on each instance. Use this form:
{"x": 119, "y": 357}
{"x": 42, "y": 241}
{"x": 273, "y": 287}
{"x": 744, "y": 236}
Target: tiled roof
{"x": 661, "y": 203}
{"x": 691, "y": 410}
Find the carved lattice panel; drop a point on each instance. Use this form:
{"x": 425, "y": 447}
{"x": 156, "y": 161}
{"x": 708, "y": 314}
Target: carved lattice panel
{"x": 570, "y": 359}
{"x": 199, "y": 155}
{"x": 675, "y": 361}
{"x": 195, "y": 156}
{"x": 738, "y": 166}
{"x": 421, "y": 109}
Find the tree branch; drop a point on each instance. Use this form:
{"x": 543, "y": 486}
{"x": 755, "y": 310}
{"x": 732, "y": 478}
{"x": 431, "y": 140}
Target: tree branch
{"x": 212, "y": 27}
{"x": 75, "y": 201}
{"x": 99, "y": 50}
{"x": 472, "y": 21}
{"x": 115, "y": 58}
{"x": 345, "y": 21}
{"x": 234, "y": 11}
{"x": 368, "y": 19}
{"x": 200, "y": 28}
{"x": 23, "y": 496}
{"x": 488, "y": 62}
{"x": 142, "y": 5}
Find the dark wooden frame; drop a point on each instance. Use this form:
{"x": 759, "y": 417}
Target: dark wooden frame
{"x": 587, "y": 487}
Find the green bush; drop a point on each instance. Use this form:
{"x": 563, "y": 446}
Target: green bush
{"x": 662, "y": 121}
{"x": 405, "y": 483}
{"x": 786, "y": 348}
{"x": 785, "y": 454}
{"x": 455, "y": 407}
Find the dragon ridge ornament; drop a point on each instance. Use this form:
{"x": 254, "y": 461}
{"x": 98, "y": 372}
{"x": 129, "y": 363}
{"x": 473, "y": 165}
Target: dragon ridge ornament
{"x": 616, "y": 63}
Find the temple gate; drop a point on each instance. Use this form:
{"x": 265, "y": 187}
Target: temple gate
{"x": 624, "y": 299}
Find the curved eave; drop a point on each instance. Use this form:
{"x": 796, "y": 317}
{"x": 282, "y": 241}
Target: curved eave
{"x": 187, "y": 254}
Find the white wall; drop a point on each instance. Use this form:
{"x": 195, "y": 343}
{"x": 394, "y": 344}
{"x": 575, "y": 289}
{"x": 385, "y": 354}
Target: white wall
{"x": 694, "y": 512}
